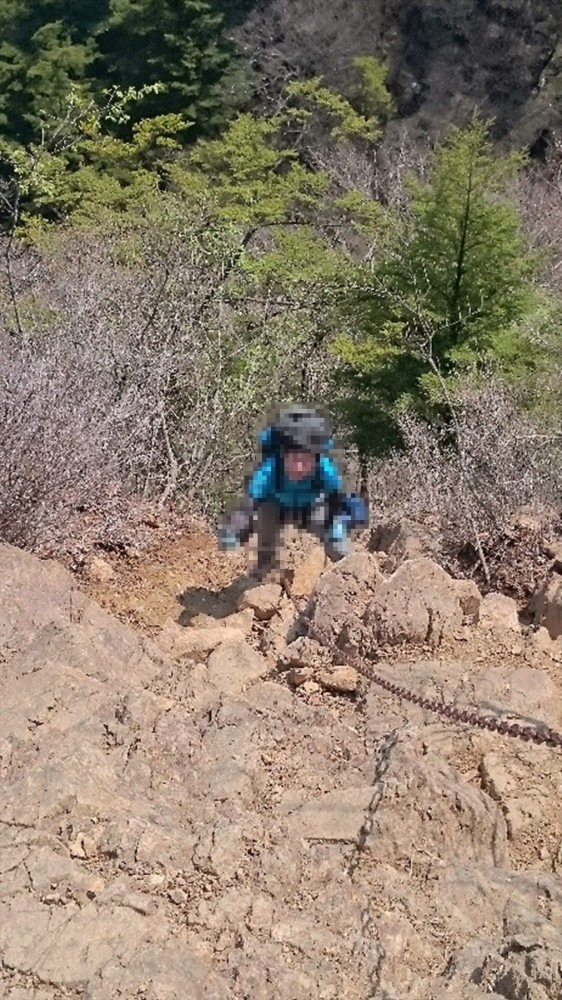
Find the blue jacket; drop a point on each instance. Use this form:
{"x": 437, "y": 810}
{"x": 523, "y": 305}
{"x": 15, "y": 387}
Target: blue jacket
{"x": 269, "y": 483}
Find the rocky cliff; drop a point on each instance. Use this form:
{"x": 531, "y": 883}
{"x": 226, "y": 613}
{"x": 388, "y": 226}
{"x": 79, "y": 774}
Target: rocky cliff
{"x": 225, "y": 812}
{"x": 444, "y": 56}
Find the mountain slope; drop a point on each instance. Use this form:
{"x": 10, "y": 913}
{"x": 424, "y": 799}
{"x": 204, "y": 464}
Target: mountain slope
{"x": 444, "y": 56}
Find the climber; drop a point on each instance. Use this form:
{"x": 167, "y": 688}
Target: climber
{"x": 295, "y": 482}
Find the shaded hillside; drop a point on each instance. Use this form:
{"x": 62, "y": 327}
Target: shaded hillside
{"x": 444, "y": 56}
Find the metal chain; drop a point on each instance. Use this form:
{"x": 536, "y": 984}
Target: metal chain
{"x": 544, "y": 735}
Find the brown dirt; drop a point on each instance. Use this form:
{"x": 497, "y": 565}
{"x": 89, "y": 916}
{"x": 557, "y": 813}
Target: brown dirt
{"x": 176, "y": 577}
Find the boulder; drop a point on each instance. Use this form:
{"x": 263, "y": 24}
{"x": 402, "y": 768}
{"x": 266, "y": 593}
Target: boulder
{"x": 418, "y": 604}
{"x": 263, "y": 601}
{"x": 402, "y": 540}
{"x": 342, "y": 595}
{"x": 302, "y": 580}
{"x": 546, "y": 605}
{"x": 193, "y": 643}
{"x": 423, "y": 802}
{"x": 498, "y": 614}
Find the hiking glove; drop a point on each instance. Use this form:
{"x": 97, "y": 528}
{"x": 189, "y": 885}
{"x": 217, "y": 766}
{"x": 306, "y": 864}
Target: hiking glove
{"x": 228, "y": 540}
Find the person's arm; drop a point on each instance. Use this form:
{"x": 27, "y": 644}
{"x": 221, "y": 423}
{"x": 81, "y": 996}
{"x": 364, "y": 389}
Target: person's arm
{"x": 260, "y": 484}
{"x": 236, "y": 528}
{"x": 342, "y": 503}
{"x": 333, "y": 485}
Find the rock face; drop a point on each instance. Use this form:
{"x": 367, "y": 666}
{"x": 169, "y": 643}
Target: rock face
{"x": 444, "y": 56}
{"x": 402, "y": 540}
{"x": 342, "y": 595}
{"x": 174, "y": 826}
{"x": 419, "y": 603}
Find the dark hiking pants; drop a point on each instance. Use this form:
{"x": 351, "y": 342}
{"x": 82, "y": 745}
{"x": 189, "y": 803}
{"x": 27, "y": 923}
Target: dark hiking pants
{"x": 271, "y": 518}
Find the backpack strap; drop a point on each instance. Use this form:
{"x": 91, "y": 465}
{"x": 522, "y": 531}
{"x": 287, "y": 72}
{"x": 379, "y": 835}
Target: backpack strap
{"x": 317, "y": 482}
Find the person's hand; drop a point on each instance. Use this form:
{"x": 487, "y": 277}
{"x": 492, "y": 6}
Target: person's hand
{"x": 228, "y": 540}
{"x": 357, "y": 511}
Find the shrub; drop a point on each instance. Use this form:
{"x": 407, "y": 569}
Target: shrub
{"x": 505, "y": 467}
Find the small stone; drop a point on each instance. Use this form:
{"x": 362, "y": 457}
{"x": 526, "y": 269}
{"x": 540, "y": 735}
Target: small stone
{"x": 311, "y": 687}
{"x": 304, "y": 653}
{"x": 343, "y": 679}
{"x": 100, "y": 571}
{"x": 155, "y": 880}
{"x": 262, "y": 600}
{"x": 178, "y": 896}
{"x": 76, "y": 847}
{"x": 298, "y": 676}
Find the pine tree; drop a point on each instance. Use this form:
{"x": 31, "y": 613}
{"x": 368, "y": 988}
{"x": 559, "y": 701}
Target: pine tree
{"x": 451, "y": 289}
{"x": 46, "y": 48}
{"x": 175, "y": 43}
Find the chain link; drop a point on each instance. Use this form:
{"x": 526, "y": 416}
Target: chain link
{"x": 544, "y": 735}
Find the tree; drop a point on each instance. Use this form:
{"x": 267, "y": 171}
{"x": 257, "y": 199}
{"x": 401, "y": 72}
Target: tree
{"x": 176, "y": 43}
{"x": 49, "y": 47}
{"x": 452, "y": 286}
{"x": 45, "y": 51}
{"x": 371, "y": 94}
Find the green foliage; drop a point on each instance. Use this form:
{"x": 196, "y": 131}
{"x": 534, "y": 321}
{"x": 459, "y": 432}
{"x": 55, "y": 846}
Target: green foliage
{"x": 80, "y": 172}
{"x": 46, "y": 49}
{"x": 371, "y": 94}
{"x": 345, "y": 122}
{"x": 248, "y": 177}
{"x": 299, "y": 260}
{"x": 453, "y": 287}
{"x": 176, "y": 43}
{"x": 467, "y": 266}
{"x": 50, "y": 48}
